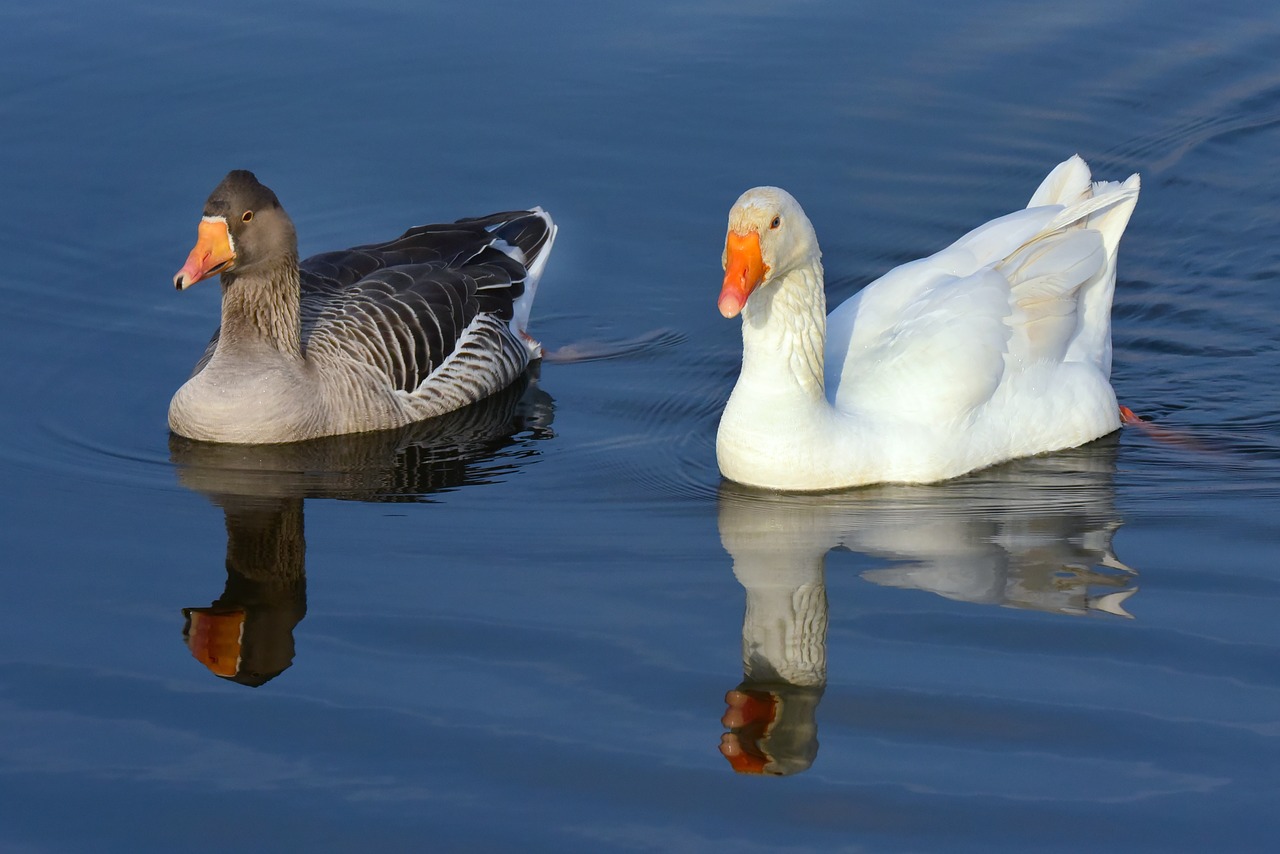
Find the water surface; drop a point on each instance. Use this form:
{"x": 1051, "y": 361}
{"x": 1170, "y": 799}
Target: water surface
{"x": 517, "y": 629}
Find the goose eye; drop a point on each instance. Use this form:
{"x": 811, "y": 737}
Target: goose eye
{"x": 248, "y": 215}
{"x": 777, "y": 221}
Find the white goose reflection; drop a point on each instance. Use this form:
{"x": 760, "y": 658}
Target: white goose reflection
{"x": 1035, "y": 533}
{"x": 246, "y": 634}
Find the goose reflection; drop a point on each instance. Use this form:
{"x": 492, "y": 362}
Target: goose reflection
{"x": 246, "y": 634}
{"x": 1035, "y": 533}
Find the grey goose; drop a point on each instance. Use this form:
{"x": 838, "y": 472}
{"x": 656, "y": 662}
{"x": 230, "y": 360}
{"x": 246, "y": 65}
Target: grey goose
{"x": 369, "y": 338}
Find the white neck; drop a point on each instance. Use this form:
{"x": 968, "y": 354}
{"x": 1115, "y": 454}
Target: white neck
{"x": 784, "y": 337}
{"x": 778, "y": 430}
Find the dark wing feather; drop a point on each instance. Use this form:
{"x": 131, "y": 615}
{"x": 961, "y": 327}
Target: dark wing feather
{"x": 521, "y": 229}
{"x": 208, "y": 352}
{"x": 402, "y": 305}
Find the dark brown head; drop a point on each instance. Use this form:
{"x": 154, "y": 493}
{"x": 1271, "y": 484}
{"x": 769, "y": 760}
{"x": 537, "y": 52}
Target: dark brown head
{"x": 243, "y": 227}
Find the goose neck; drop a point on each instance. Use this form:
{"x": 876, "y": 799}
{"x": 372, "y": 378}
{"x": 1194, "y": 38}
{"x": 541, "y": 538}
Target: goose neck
{"x": 784, "y": 336}
{"x": 260, "y": 309}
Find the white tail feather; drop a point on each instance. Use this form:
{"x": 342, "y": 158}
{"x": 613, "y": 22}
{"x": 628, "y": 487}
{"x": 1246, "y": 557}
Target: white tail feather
{"x": 524, "y": 304}
{"x": 1066, "y": 184}
{"x": 1106, "y": 195}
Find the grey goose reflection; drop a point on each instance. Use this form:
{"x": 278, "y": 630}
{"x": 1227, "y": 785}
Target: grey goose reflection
{"x": 368, "y": 338}
{"x": 246, "y": 634}
{"x": 1034, "y": 533}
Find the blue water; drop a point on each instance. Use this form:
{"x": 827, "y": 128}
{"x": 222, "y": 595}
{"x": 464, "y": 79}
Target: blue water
{"x": 516, "y": 630}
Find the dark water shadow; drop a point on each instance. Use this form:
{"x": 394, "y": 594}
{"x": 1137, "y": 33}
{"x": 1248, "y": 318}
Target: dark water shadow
{"x": 1031, "y": 534}
{"x": 246, "y": 634}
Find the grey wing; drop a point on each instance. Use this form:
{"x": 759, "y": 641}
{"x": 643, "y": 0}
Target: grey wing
{"x": 407, "y": 321}
{"x": 520, "y": 235}
{"x": 208, "y": 353}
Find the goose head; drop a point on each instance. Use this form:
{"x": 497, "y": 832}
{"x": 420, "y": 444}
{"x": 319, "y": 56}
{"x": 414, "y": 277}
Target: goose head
{"x": 768, "y": 237}
{"x": 243, "y": 227}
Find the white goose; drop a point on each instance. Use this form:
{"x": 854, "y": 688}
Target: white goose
{"x": 997, "y": 347}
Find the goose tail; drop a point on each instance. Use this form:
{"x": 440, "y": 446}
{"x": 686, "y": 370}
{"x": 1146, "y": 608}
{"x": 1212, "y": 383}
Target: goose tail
{"x": 1103, "y": 207}
{"x": 528, "y": 239}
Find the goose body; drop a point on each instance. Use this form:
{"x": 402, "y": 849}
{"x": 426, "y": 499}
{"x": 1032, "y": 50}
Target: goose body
{"x": 997, "y": 347}
{"x": 369, "y": 338}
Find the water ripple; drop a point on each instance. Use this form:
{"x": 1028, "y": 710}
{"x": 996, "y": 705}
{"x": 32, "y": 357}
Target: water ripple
{"x": 646, "y": 343}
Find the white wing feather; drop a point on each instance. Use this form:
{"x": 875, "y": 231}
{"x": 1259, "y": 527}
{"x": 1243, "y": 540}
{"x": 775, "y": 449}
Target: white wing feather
{"x": 933, "y": 339}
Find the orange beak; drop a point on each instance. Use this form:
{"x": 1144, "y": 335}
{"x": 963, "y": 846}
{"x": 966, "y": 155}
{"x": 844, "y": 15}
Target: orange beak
{"x": 744, "y": 758}
{"x": 744, "y": 270}
{"x": 212, "y": 254}
{"x": 750, "y": 716}
{"x": 214, "y": 638}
